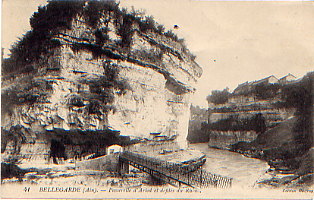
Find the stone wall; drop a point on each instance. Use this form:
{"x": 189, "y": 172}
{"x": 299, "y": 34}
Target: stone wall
{"x": 154, "y": 147}
{"x": 103, "y": 163}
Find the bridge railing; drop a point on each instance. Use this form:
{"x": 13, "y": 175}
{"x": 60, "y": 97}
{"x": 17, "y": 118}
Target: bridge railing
{"x": 186, "y": 174}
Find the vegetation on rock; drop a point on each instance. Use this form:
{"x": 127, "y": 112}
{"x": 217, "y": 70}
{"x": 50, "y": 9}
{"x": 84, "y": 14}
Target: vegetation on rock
{"x": 56, "y": 16}
{"x": 218, "y": 97}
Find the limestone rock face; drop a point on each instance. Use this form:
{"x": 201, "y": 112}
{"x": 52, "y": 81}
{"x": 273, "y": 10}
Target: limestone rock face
{"x": 94, "y": 80}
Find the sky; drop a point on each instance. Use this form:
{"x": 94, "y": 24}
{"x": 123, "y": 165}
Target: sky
{"x": 234, "y": 41}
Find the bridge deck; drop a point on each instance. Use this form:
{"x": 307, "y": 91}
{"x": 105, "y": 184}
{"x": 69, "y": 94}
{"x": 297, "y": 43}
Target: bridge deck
{"x": 174, "y": 173}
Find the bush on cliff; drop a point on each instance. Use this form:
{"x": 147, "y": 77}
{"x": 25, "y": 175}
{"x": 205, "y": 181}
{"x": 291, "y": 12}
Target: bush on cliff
{"x": 218, "y": 97}
{"x": 266, "y": 91}
{"x": 9, "y": 170}
{"x": 49, "y": 20}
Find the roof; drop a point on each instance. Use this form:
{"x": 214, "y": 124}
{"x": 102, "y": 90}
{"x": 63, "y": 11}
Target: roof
{"x": 287, "y": 76}
{"x": 262, "y": 80}
{"x": 245, "y": 85}
{"x": 242, "y": 85}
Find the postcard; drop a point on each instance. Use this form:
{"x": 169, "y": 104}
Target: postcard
{"x": 157, "y": 99}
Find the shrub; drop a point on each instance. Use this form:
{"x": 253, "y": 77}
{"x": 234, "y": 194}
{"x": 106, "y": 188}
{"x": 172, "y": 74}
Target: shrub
{"x": 75, "y": 100}
{"x": 94, "y": 107}
{"x": 300, "y": 96}
{"x": 126, "y": 30}
{"x": 266, "y": 91}
{"x": 58, "y": 15}
{"x": 94, "y": 10}
{"x": 45, "y": 22}
{"x": 218, "y": 97}
{"x": 147, "y": 24}
{"x": 160, "y": 29}
{"x": 171, "y": 35}
{"x": 101, "y": 36}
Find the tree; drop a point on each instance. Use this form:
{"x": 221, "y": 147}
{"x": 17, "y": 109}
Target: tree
{"x": 266, "y": 91}
{"x": 218, "y": 97}
{"x": 258, "y": 123}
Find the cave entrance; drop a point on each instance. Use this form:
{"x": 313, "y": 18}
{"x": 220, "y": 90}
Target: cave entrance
{"x": 57, "y": 151}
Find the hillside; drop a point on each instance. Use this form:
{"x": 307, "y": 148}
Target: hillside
{"x": 269, "y": 119}
{"x": 288, "y": 147}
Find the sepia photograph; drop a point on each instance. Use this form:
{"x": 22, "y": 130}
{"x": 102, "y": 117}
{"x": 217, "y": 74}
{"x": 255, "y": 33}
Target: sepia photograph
{"x": 168, "y": 99}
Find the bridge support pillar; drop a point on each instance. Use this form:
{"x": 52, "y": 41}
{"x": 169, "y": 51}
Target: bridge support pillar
{"x": 123, "y": 167}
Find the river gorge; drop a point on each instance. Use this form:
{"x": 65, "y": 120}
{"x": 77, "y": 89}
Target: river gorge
{"x": 244, "y": 171}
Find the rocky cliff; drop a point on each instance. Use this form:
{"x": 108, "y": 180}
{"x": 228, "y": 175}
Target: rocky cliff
{"x": 251, "y": 109}
{"x": 288, "y": 147}
{"x": 197, "y": 125}
{"x": 95, "y": 70}
{"x": 268, "y": 120}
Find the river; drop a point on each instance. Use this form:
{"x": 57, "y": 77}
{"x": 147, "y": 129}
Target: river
{"x": 244, "y": 171}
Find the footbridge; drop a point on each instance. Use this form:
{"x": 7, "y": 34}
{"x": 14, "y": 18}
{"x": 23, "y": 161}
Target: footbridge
{"x": 173, "y": 173}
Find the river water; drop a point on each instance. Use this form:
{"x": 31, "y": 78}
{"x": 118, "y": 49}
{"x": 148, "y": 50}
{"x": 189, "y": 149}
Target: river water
{"x": 244, "y": 171}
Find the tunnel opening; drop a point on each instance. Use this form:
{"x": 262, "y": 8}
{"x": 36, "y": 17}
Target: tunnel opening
{"x": 57, "y": 151}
